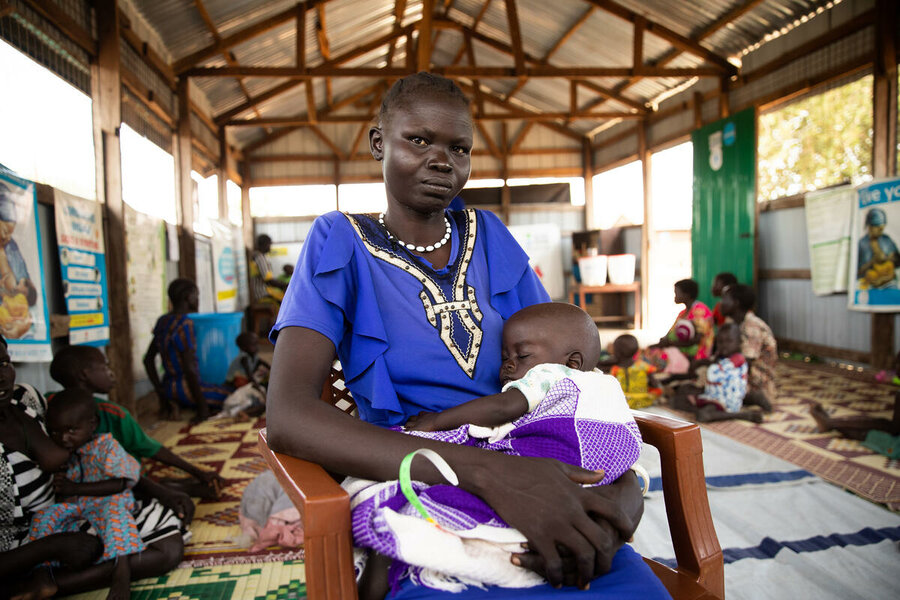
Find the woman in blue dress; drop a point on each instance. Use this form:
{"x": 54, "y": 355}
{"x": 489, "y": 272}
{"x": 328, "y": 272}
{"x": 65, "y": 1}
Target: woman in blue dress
{"x": 412, "y": 302}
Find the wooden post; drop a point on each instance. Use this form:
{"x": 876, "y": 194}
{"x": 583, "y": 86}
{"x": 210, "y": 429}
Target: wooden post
{"x": 423, "y": 54}
{"x": 223, "y": 175}
{"x": 337, "y": 183}
{"x": 724, "y": 107}
{"x": 884, "y": 148}
{"x": 187, "y": 266}
{"x": 246, "y": 219}
{"x": 646, "y": 227}
{"x": 505, "y": 194}
{"x": 106, "y": 92}
{"x": 587, "y": 166}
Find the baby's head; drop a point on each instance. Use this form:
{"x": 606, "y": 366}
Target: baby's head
{"x": 83, "y": 367}
{"x": 721, "y": 282}
{"x": 728, "y": 339}
{"x": 552, "y": 332}
{"x": 625, "y": 347}
{"x": 72, "y": 418}
{"x": 248, "y": 342}
{"x": 288, "y": 270}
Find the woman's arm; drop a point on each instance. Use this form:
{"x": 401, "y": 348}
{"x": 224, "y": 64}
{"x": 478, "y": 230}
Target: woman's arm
{"x": 518, "y": 488}
{"x": 150, "y": 368}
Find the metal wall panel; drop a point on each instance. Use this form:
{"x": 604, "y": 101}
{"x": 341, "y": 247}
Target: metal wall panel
{"x": 782, "y": 239}
{"x": 285, "y": 231}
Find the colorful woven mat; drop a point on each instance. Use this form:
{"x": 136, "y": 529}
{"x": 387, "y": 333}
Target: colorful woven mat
{"x": 217, "y": 564}
{"x": 790, "y": 433}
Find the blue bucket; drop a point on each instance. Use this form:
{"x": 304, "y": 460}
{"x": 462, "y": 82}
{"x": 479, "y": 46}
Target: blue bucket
{"x": 216, "y": 347}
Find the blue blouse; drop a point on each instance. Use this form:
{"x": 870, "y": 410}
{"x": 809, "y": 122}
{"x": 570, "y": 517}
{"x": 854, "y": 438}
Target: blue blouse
{"x": 410, "y": 337}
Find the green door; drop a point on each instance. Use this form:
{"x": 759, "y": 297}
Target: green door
{"x": 723, "y": 232}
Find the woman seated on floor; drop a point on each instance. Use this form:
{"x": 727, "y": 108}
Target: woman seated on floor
{"x": 691, "y": 335}
{"x": 28, "y": 459}
{"x": 757, "y": 345}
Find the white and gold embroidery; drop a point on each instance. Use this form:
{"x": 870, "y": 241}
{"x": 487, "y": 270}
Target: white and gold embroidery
{"x": 438, "y": 308}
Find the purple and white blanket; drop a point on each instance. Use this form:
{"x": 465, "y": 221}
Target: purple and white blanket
{"x": 576, "y": 417}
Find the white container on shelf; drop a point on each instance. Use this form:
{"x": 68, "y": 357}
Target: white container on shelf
{"x": 593, "y": 269}
{"x": 621, "y": 268}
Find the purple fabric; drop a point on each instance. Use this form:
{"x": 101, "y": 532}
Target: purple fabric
{"x": 555, "y": 429}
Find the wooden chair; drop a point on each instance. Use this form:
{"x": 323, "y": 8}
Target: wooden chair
{"x": 260, "y": 313}
{"x": 325, "y": 509}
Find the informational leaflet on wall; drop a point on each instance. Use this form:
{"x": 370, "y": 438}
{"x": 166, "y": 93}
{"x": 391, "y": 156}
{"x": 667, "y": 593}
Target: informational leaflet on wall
{"x": 874, "y": 258}
{"x": 203, "y": 269}
{"x": 543, "y": 244}
{"x": 224, "y": 268}
{"x": 82, "y": 260}
{"x": 24, "y": 318}
{"x": 240, "y": 260}
{"x": 828, "y": 221}
{"x": 145, "y": 241}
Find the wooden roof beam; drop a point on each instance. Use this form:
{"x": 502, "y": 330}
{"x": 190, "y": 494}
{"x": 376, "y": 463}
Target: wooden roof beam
{"x": 146, "y": 52}
{"x": 475, "y": 22}
{"x": 324, "y": 47}
{"x": 327, "y": 141}
{"x": 300, "y": 35}
{"x": 476, "y": 83}
{"x": 399, "y": 11}
{"x": 488, "y": 72}
{"x": 661, "y": 31}
{"x": 255, "y": 100}
{"x": 72, "y": 29}
{"x": 515, "y": 34}
{"x": 488, "y": 140}
{"x": 423, "y": 50}
{"x": 516, "y": 115}
{"x": 516, "y": 143}
{"x": 251, "y": 31}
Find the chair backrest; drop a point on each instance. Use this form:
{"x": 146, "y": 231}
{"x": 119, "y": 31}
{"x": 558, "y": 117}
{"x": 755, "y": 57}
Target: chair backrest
{"x": 335, "y": 393}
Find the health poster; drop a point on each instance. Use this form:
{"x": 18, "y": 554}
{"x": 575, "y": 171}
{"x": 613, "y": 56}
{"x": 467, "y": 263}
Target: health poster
{"x": 82, "y": 260}
{"x": 224, "y": 268}
{"x": 874, "y": 258}
{"x": 145, "y": 245}
{"x": 24, "y": 319}
{"x": 828, "y": 217}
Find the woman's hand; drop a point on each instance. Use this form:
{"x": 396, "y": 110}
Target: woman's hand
{"x": 424, "y": 421}
{"x": 625, "y": 502}
{"x": 542, "y": 498}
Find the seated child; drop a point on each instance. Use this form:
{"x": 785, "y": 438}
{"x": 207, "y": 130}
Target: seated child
{"x": 552, "y": 404}
{"x": 95, "y": 486}
{"x": 86, "y": 368}
{"x": 249, "y": 374}
{"x": 724, "y": 384}
{"x": 635, "y": 375}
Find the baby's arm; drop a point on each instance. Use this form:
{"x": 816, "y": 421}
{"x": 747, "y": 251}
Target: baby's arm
{"x": 487, "y": 411}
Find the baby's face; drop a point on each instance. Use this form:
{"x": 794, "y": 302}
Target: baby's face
{"x": 527, "y": 343}
{"x": 71, "y": 429}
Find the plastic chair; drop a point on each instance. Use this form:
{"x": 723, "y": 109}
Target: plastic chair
{"x": 325, "y": 509}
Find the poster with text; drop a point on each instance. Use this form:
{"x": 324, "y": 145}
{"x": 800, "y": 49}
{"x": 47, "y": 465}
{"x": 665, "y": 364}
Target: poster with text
{"x": 224, "y": 268}
{"x": 145, "y": 246}
{"x": 24, "y": 318}
{"x": 828, "y": 224}
{"x": 874, "y": 258}
{"x": 82, "y": 261}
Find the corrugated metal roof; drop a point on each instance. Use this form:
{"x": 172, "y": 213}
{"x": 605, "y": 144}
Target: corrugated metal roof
{"x": 602, "y": 40}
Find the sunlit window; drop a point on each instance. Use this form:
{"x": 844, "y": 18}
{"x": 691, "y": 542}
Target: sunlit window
{"x": 148, "y": 176}
{"x": 362, "y": 197}
{"x": 576, "y": 186}
{"x": 483, "y": 183}
{"x": 815, "y": 142}
{"x": 46, "y": 133}
{"x": 207, "y": 207}
{"x": 233, "y": 197}
{"x": 671, "y": 180}
{"x": 619, "y": 196}
{"x": 292, "y": 201}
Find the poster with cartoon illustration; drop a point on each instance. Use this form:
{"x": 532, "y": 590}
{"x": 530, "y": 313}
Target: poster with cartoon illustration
{"x": 82, "y": 260}
{"x": 874, "y": 281}
{"x": 24, "y": 320}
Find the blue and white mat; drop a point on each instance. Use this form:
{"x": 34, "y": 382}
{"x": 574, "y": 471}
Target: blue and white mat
{"x": 784, "y": 532}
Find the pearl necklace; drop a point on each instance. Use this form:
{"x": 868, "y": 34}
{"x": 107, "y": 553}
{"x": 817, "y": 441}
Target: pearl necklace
{"x": 430, "y": 248}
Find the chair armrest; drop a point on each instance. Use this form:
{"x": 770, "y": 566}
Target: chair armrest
{"x": 324, "y": 509}
{"x": 680, "y": 446}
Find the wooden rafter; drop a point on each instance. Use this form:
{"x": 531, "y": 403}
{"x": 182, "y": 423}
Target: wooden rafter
{"x": 512, "y": 115}
{"x": 324, "y": 47}
{"x": 423, "y": 51}
{"x": 515, "y": 34}
{"x": 516, "y": 143}
{"x": 276, "y": 135}
{"x": 488, "y": 140}
{"x": 732, "y": 15}
{"x": 247, "y": 33}
{"x": 327, "y": 141}
{"x": 229, "y": 57}
{"x": 399, "y": 11}
{"x": 300, "y": 27}
{"x": 661, "y": 31}
{"x": 476, "y": 83}
{"x": 637, "y": 51}
{"x": 66, "y": 24}
{"x": 364, "y": 128}
{"x": 146, "y": 52}
{"x": 475, "y": 22}
{"x": 310, "y": 102}
{"x": 255, "y": 100}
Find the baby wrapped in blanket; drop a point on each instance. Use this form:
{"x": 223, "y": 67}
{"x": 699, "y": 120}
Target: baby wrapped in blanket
{"x": 552, "y": 405}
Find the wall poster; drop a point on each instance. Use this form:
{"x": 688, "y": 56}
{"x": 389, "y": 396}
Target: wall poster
{"x": 828, "y": 216}
{"x": 874, "y": 259}
{"x": 145, "y": 245}
{"x": 224, "y": 268}
{"x": 24, "y": 319}
{"x": 82, "y": 260}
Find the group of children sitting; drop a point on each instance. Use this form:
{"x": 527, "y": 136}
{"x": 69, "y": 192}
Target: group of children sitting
{"x": 716, "y": 383}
